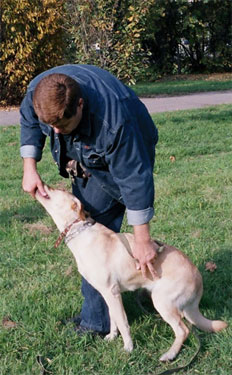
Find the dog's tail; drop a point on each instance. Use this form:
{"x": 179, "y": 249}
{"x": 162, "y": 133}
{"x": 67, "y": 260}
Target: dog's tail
{"x": 194, "y": 316}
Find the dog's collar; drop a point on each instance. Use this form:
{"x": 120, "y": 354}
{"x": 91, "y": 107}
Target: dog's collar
{"x": 85, "y": 224}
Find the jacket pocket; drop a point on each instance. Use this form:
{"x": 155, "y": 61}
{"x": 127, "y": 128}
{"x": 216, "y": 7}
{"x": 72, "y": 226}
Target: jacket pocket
{"x": 92, "y": 159}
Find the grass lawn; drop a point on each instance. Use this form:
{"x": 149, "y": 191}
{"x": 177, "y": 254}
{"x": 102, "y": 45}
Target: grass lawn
{"x": 40, "y": 285}
{"x": 185, "y": 84}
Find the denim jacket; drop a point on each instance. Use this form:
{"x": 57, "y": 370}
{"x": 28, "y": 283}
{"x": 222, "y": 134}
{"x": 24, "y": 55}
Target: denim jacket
{"x": 115, "y": 140}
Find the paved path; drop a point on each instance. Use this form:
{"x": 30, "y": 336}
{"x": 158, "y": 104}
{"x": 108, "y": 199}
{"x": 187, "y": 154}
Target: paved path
{"x": 154, "y": 105}
{"x": 199, "y": 100}
{"x": 9, "y": 117}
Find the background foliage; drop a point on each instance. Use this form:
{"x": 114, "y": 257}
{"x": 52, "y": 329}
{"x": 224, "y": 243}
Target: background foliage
{"x": 190, "y": 36}
{"x": 31, "y": 41}
{"x": 109, "y": 33}
{"x": 135, "y": 40}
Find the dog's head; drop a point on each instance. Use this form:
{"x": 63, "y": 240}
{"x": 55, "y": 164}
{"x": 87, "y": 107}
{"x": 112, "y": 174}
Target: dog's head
{"x": 63, "y": 206}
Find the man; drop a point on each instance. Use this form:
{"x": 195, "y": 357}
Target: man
{"x": 103, "y": 137}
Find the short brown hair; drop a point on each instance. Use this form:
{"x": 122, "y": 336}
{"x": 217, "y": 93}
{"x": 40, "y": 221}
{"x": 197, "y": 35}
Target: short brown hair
{"x": 56, "y": 97}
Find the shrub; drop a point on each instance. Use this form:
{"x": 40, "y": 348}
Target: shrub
{"x": 108, "y": 33}
{"x": 32, "y": 41}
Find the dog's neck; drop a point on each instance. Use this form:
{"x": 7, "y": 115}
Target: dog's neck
{"x": 74, "y": 228}
{"x": 63, "y": 220}
{"x": 63, "y": 224}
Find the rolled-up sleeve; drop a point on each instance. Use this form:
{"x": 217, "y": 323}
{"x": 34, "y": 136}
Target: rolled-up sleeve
{"x": 139, "y": 217}
{"x": 132, "y": 170}
{"x": 32, "y": 138}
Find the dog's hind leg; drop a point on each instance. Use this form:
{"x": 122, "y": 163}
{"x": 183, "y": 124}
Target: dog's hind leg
{"x": 172, "y": 316}
{"x": 118, "y": 316}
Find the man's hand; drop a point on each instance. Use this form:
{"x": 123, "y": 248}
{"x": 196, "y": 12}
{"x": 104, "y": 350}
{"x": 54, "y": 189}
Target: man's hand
{"x": 31, "y": 179}
{"x": 144, "y": 250}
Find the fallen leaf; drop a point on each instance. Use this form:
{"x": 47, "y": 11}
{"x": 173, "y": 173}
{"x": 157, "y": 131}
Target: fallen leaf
{"x": 68, "y": 271}
{"x": 7, "y": 323}
{"x": 172, "y": 158}
{"x": 12, "y": 144}
{"x": 210, "y": 266}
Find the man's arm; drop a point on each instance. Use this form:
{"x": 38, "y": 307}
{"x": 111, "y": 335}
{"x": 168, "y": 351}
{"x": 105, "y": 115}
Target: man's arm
{"x": 32, "y": 143}
{"x": 130, "y": 161}
{"x": 31, "y": 179}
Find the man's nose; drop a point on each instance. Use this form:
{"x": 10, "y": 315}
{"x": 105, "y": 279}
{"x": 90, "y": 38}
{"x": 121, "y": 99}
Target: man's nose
{"x": 56, "y": 130}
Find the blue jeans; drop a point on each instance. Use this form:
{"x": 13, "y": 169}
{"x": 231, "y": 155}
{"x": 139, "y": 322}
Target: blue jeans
{"x": 107, "y": 211}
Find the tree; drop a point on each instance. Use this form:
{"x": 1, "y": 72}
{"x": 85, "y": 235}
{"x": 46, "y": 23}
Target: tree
{"x": 207, "y": 28}
{"x": 190, "y": 36}
{"x": 108, "y": 33}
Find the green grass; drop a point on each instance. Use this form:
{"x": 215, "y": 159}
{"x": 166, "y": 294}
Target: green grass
{"x": 181, "y": 85}
{"x": 40, "y": 285}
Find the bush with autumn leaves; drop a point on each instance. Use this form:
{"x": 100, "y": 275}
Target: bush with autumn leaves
{"x": 32, "y": 39}
{"x": 39, "y": 34}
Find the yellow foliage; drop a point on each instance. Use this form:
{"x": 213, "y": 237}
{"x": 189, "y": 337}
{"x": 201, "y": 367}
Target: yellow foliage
{"x": 32, "y": 41}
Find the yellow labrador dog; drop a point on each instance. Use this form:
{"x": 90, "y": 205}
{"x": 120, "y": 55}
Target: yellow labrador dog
{"x": 104, "y": 260}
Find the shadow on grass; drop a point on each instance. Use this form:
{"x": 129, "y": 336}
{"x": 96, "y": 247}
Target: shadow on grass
{"x": 217, "y": 294}
{"x": 29, "y": 213}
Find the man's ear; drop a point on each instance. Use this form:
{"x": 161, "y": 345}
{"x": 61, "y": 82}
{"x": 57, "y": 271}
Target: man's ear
{"x": 81, "y": 103}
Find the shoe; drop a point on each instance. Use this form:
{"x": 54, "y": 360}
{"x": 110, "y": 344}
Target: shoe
{"x": 82, "y": 331}
{"x": 75, "y": 319}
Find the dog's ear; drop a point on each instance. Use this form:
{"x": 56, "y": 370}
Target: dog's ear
{"x": 78, "y": 206}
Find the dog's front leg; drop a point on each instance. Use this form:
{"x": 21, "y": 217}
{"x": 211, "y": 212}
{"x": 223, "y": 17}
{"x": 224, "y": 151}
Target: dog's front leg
{"x": 113, "y": 330}
{"x": 113, "y": 326}
{"x": 118, "y": 318}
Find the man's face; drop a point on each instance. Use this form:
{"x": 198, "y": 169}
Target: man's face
{"x": 66, "y": 126}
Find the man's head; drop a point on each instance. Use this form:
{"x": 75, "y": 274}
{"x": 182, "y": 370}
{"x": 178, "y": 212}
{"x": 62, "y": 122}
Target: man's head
{"x": 57, "y": 102}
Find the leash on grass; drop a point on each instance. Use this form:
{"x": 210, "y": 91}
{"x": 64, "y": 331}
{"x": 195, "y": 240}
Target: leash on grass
{"x": 43, "y": 371}
{"x": 42, "y": 362}
{"x": 184, "y": 367}
{"x": 192, "y": 330}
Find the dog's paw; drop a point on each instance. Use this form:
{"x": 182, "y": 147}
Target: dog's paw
{"x": 111, "y": 336}
{"x": 168, "y": 356}
{"x": 128, "y": 347}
